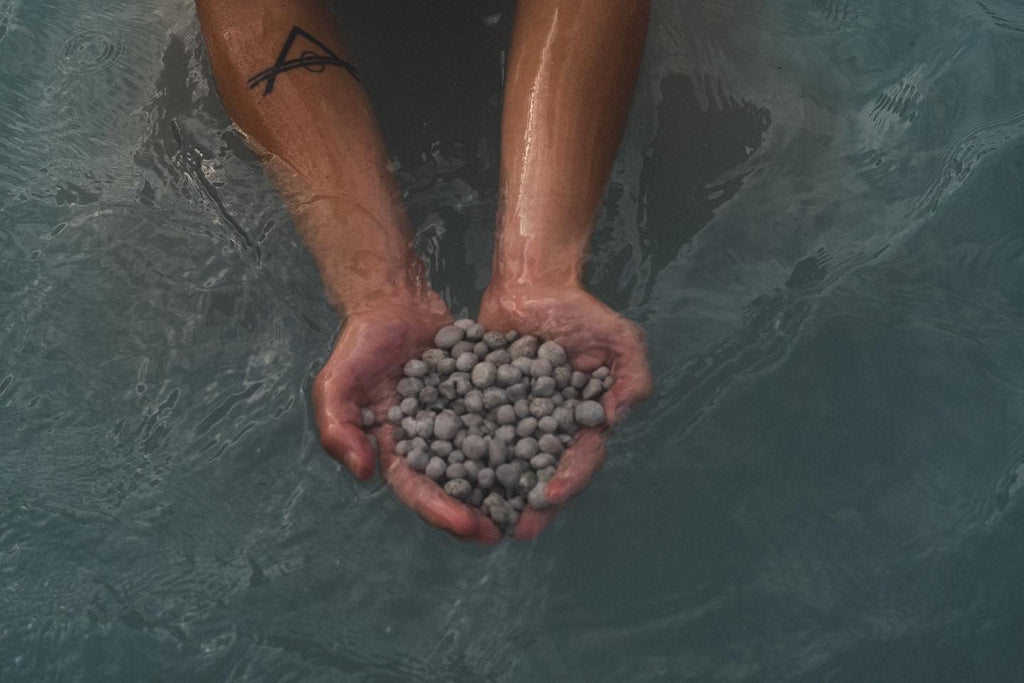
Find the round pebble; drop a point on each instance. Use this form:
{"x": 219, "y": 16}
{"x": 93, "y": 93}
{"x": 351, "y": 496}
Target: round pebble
{"x": 551, "y": 352}
{"x": 474, "y": 446}
{"x": 507, "y": 475}
{"x": 449, "y": 336}
{"x": 458, "y": 488}
{"x": 589, "y": 413}
{"x": 435, "y": 468}
{"x": 524, "y": 347}
{"x": 466, "y": 361}
{"x": 419, "y": 460}
{"x": 484, "y": 374}
{"x": 415, "y": 368}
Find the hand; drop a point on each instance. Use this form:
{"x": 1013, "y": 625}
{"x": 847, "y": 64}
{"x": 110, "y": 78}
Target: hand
{"x": 361, "y": 373}
{"x": 592, "y": 335}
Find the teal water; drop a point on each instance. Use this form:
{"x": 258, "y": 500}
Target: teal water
{"x": 817, "y": 216}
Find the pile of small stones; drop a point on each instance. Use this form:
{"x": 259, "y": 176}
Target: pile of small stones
{"x": 487, "y": 415}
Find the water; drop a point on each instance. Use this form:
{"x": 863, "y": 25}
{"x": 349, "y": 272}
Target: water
{"x": 816, "y": 214}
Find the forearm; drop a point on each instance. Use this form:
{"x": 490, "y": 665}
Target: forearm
{"x": 572, "y": 70}
{"x": 318, "y": 138}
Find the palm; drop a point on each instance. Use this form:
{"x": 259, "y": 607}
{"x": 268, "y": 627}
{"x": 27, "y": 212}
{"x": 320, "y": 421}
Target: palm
{"x": 592, "y": 335}
{"x": 361, "y": 372}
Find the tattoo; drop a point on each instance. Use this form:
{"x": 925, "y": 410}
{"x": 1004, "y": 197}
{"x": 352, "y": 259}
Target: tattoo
{"x": 308, "y": 60}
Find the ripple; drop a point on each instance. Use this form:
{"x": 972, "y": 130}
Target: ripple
{"x": 91, "y": 51}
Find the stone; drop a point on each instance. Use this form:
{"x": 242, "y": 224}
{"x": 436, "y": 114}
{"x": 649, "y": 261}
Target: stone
{"x": 518, "y": 391}
{"x": 552, "y": 352}
{"x": 525, "y": 346}
{"x": 578, "y": 380}
{"x": 526, "y": 448}
{"x": 546, "y": 473}
{"x": 415, "y": 368}
{"x": 526, "y": 427}
{"x": 464, "y": 323}
{"x": 484, "y": 374}
{"x": 446, "y": 366}
{"x": 432, "y": 357}
{"x": 409, "y": 386}
{"x": 461, "y": 348}
{"x": 549, "y": 443}
{"x": 536, "y": 498}
{"x": 508, "y": 375}
{"x": 419, "y": 460}
{"x": 466, "y": 361}
{"x": 498, "y": 357}
{"x": 481, "y": 349}
{"x": 455, "y": 470}
{"x": 507, "y": 475}
{"x": 544, "y": 387}
{"x": 428, "y": 395}
{"x": 367, "y": 417}
{"x": 592, "y": 390}
{"x": 505, "y": 415}
{"x": 506, "y": 433}
{"x": 475, "y": 332}
{"x": 458, "y": 488}
{"x": 449, "y": 336}
{"x": 542, "y": 460}
{"x": 395, "y": 414}
{"x": 589, "y": 413}
{"x": 548, "y": 424}
{"x": 601, "y": 373}
{"x": 494, "y": 397}
{"x": 497, "y": 451}
{"x": 541, "y": 368}
{"x": 435, "y": 468}
{"x": 474, "y": 446}
{"x": 446, "y": 425}
{"x": 539, "y": 407}
{"x": 457, "y": 456}
{"x": 485, "y": 478}
{"x": 495, "y": 340}
{"x": 409, "y": 405}
{"x": 526, "y": 483}
{"x": 440, "y": 448}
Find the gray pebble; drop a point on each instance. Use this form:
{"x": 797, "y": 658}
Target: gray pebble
{"x": 537, "y": 498}
{"x": 398, "y": 434}
{"x": 562, "y": 375}
{"x": 409, "y": 424}
{"x": 461, "y": 348}
{"x": 511, "y": 336}
{"x": 570, "y": 392}
{"x": 553, "y": 352}
{"x": 566, "y": 439}
{"x": 418, "y": 443}
{"x": 546, "y": 473}
{"x": 485, "y": 478}
{"x": 474, "y": 446}
{"x": 539, "y": 407}
{"x": 431, "y": 379}
{"x": 448, "y": 336}
{"x": 541, "y": 368}
{"x": 525, "y": 346}
{"x": 523, "y": 365}
{"x": 526, "y": 427}
{"x": 409, "y": 386}
{"x": 475, "y": 332}
{"x": 462, "y": 385}
{"x": 592, "y": 390}
{"x": 403, "y": 447}
{"x": 464, "y": 323}
{"x": 506, "y": 433}
{"x": 494, "y": 397}
{"x": 498, "y": 357}
{"x": 367, "y": 417}
{"x": 473, "y": 468}
{"x": 507, "y": 475}
{"x": 409, "y": 405}
{"x": 502, "y": 514}
{"x": 557, "y": 399}
{"x": 601, "y": 373}
{"x": 608, "y": 383}
{"x": 457, "y": 456}
{"x": 481, "y": 349}
{"x": 526, "y": 483}
{"x": 446, "y": 425}
{"x": 564, "y": 417}
{"x": 517, "y": 503}
{"x": 472, "y": 419}
{"x": 475, "y": 498}
{"x": 474, "y": 401}
{"x": 547, "y": 424}
{"x": 508, "y": 375}
{"x": 455, "y": 471}
{"x": 457, "y": 441}
{"x": 549, "y": 443}
{"x": 484, "y": 374}
{"x": 420, "y": 460}
{"x": 589, "y": 413}
{"x": 522, "y": 408}
{"x": 446, "y": 366}
{"x": 495, "y": 340}
{"x": 505, "y": 415}
{"x": 542, "y": 460}
{"x": 544, "y": 387}
{"x": 395, "y": 414}
{"x": 415, "y": 368}
{"x": 425, "y": 428}
{"x": 428, "y": 395}
{"x": 526, "y": 448}
{"x": 578, "y": 380}
{"x": 458, "y": 407}
{"x": 440, "y": 448}
{"x": 447, "y": 389}
{"x": 496, "y": 451}
{"x": 432, "y": 357}
{"x": 435, "y": 468}
{"x": 458, "y": 488}
{"x": 518, "y": 391}
{"x": 466, "y": 361}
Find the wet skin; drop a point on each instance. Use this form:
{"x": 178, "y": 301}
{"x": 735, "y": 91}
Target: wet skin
{"x": 572, "y": 68}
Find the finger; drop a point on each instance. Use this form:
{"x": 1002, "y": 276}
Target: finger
{"x": 633, "y": 383}
{"x": 577, "y": 466}
{"x": 532, "y": 522}
{"x": 348, "y": 444}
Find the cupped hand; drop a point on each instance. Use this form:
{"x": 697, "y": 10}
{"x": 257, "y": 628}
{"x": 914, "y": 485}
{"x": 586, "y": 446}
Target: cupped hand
{"x": 592, "y": 335}
{"x": 362, "y": 372}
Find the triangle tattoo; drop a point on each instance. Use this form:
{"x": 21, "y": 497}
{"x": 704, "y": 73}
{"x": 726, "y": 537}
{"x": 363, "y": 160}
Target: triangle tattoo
{"x": 308, "y": 60}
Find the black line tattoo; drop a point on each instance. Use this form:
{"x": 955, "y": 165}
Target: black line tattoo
{"x": 308, "y": 60}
